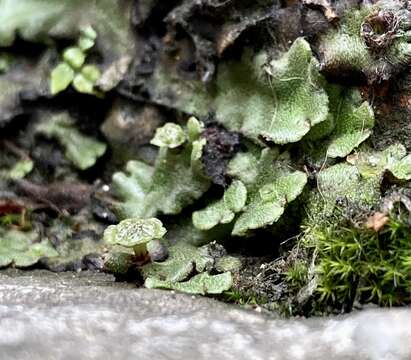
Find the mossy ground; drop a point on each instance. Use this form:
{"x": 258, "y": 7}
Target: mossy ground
{"x": 304, "y": 149}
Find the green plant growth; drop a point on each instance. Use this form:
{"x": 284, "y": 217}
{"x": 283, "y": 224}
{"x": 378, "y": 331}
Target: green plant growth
{"x": 357, "y": 264}
{"x": 199, "y": 284}
{"x": 203, "y": 270}
{"x": 73, "y": 70}
{"x": 261, "y": 193}
{"x": 269, "y": 102}
{"x": 374, "y": 40}
{"x": 175, "y": 181}
{"x": 21, "y": 248}
{"x": 278, "y": 100}
{"x": 349, "y": 123}
{"x": 352, "y": 263}
{"x": 255, "y": 95}
{"x": 135, "y": 234}
{"x": 83, "y": 151}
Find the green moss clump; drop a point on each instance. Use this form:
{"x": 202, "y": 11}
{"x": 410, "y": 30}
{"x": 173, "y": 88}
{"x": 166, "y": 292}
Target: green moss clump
{"x": 358, "y": 264}
{"x": 373, "y": 40}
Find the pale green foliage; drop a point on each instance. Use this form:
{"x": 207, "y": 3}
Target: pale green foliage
{"x": 358, "y": 180}
{"x": 61, "y": 77}
{"x": 86, "y": 80}
{"x": 174, "y": 182}
{"x": 342, "y": 47}
{"x": 73, "y": 71}
{"x": 280, "y": 100}
{"x": 353, "y": 120}
{"x": 267, "y": 186}
{"x": 341, "y": 182}
{"x": 134, "y": 231}
{"x": 228, "y": 263}
{"x": 274, "y": 187}
{"x": 18, "y": 171}
{"x": 184, "y": 260}
{"x": 243, "y": 167}
{"x": 364, "y": 43}
{"x": 83, "y": 151}
{"x": 74, "y": 57}
{"x": 178, "y": 266}
{"x": 222, "y": 211}
{"x": 170, "y": 135}
{"x": 21, "y": 250}
{"x": 394, "y": 158}
{"x": 88, "y": 38}
{"x": 349, "y": 122}
{"x": 40, "y": 21}
{"x": 194, "y": 128}
{"x": 202, "y": 284}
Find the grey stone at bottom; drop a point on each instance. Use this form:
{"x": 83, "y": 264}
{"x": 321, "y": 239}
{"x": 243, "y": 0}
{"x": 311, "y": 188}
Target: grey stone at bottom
{"x": 88, "y": 316}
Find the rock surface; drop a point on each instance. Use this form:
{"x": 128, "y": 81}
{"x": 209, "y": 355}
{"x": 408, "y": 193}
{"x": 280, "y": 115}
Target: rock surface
{"x": 88, "y": 316}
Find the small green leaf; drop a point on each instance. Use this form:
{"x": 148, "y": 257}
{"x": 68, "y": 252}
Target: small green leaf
{"x": 243, "y": 167}
{"x": 235, "y": 197}
{"x": 194, "y": 128}
{"x": 83, "y": 151}
{"x": 74, "y": 57}
{"x": 91, "y": 72}
{"x": 374, "y": 163}
{"x": 131, "y": 232}
{"x": 19, "y": 248}
{"x": 214, "y": 214}
{"x": 340, "y": 183}
{"x": 272, "y": 189}
{"x": 20, "y": 169}
{"x": 85, "y": 43}
{"x": 200, "y": 284}
{"x": 83, "y": 85}
{"x": 170, "y": 136}
{"x": 61, "y": 77}
{"x": 222, "y": 211}
{"x": 179, "y": 265}
{"x": 89, "y": 32}
{"x": 353, "y": 121}
{"x": 87, "y": 38}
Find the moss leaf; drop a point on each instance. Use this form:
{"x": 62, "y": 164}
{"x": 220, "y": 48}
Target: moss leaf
{"x": 178, "y": 267}
{"x": 19, "y": 248}
{"x": 374, "y": 163}
{"x": 44, "y": 21}
{"x": 174, "y": 182}
{"x": 224, "y": 210}
{"x": 200, "y": 284}
{"x": 353, "y": 121}
{"x": 131, "y": 232}
{"x": 170, "y": 135}
{"x": 274, "y": 186}
{"x": 61, "y": 77}
{"x": 279, "y": 101}
{"x": 83, "y": 151}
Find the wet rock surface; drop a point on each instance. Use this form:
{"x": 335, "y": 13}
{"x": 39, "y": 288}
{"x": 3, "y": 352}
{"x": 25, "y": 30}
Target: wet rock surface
{"x": 87, "y": 316}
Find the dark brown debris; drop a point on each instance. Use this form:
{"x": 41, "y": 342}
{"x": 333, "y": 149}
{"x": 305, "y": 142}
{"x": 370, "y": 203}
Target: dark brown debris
{"x": 221, "y": 146}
